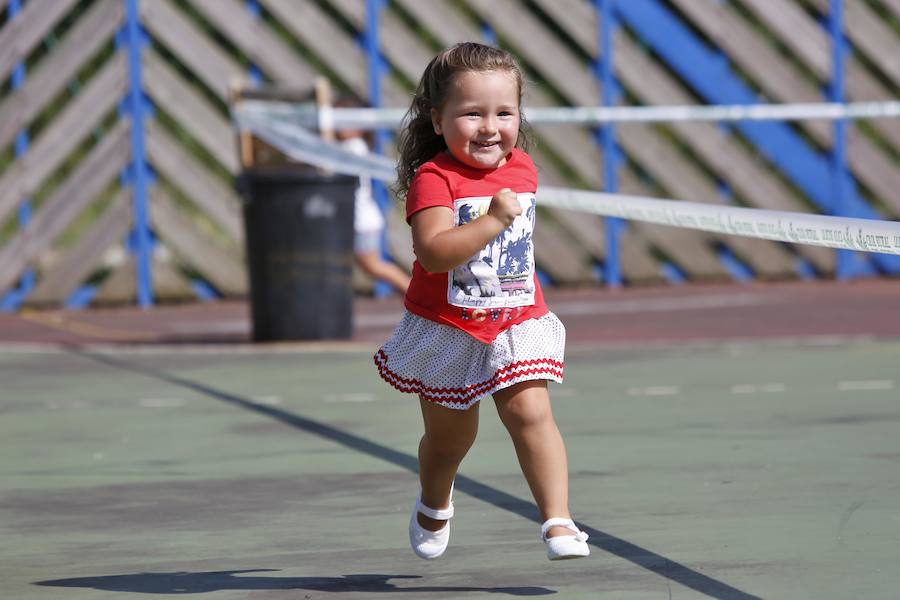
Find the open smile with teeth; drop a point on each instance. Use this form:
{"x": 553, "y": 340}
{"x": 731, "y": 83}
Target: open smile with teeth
{"x": 486, "y": 144}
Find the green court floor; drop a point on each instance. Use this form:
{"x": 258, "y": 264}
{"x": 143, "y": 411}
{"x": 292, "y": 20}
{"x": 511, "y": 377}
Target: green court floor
{"x": 767, "y": 470}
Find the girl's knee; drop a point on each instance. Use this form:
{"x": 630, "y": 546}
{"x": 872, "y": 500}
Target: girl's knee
{"x": 525, "y": 410}
{"x": 523, "y": 415}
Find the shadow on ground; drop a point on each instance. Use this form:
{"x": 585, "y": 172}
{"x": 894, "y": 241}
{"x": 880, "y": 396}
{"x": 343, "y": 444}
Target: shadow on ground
{"x": 183, "y": 582}
{"x": 653, "y": 562}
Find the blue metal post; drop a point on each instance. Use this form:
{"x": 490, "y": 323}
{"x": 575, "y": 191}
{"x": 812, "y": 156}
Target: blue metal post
{"x": 488, "y": 35}
{"x": 604, "y": 67}
{"x": 375, "y": 68}
{"x": 136, "y": 107}
{"x": 14, "y": 298}
{"x": 254, "y": 9}
{"x": 839, "y": 204}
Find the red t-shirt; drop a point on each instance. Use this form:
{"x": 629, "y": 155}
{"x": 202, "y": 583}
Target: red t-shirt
{"x": 497, "y": 287}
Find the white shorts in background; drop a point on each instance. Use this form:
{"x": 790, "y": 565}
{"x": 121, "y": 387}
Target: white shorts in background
{"x": 365, "y": 242}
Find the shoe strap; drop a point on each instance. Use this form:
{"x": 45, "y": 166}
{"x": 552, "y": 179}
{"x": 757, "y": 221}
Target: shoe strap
{"x": 439, "y": 514}
{"x": 560, "y": 522}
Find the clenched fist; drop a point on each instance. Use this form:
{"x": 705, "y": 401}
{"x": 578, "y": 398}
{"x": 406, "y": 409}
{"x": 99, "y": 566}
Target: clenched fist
{"x": 505, "y": 206}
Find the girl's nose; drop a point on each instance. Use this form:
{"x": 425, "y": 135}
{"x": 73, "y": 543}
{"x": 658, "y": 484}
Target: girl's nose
{"x": 489, "y": 125}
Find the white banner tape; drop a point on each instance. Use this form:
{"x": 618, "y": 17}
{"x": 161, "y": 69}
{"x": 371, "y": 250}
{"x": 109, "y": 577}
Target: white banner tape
{"x": 307, "y": 147}
{"x": 599, "y": 115}
{"x": 305, "y": 115}
{"x": 865, "y": 235}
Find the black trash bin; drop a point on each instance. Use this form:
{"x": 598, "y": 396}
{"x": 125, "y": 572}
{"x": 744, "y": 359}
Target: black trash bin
{"x": 299, "y": 230}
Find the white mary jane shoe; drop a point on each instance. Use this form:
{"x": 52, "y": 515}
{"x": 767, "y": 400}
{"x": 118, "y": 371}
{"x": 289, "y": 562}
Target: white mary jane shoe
{"x": 563, "y": 547}
{"x": 429, "y": 544}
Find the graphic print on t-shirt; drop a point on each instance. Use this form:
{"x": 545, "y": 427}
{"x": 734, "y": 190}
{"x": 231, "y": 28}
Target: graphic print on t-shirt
{"x": 502, "y": 273}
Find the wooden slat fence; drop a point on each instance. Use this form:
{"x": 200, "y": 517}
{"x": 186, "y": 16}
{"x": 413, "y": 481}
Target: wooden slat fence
{"x": 69, "y": 139}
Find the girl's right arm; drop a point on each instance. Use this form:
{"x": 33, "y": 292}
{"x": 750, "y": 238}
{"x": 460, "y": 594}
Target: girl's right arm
{"x": 440, "y": 247}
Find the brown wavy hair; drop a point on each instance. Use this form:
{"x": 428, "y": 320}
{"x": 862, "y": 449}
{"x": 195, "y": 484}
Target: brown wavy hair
{"x": 418, "y": 143}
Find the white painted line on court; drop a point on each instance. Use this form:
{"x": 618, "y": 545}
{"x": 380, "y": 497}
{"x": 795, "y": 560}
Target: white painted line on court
{"x": 655, "y": 390}
{"x": 866, "y": 385}
{"x": 229, "y": 349}
{"x": 827, "y": 340}
{"x": 353, "y": 398}
{"x": 58, "y": 404}
{"x": 234, "y": 326}
{"x": 161, "y": 402}
{"x": 755, "y": 388}
{"x": 269, "y": 400}
{"x": 576, "y": 307}
{"x": 734, "y": 345}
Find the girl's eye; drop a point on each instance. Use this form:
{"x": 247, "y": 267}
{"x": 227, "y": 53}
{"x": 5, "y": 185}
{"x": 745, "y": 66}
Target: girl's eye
{"x": 472, "y": 114}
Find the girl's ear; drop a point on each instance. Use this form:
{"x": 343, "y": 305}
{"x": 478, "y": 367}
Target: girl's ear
{"x": 436, "y": 121}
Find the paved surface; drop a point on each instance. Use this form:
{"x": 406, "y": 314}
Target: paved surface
{"x": 725, "y": 442}
{"x": 657, "y": 314}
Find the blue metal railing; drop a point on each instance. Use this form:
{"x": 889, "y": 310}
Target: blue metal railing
{"x": 137, "y": 108}
{"x": 825, "y": 179}
{"x": 607, "y": 23}
{"x": 376, "y": 67}
{"x": 13, "y": 299}
{"x": 839, "y": 205}
{"x": 698, "y": 66}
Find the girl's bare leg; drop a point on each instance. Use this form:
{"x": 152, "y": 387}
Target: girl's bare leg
{"x": 448, "y": 436}
{"x": 525, "y": 410}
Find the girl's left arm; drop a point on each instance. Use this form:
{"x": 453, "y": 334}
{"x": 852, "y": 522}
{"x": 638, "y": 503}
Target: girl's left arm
{"x": 440, "y": 246}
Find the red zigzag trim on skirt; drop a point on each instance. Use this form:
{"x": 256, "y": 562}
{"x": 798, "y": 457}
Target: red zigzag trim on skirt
{"x": 553, "y": 368}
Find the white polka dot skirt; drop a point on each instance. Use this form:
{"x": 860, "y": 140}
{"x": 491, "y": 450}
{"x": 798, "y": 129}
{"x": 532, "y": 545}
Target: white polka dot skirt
{"x": 447, "y": 366}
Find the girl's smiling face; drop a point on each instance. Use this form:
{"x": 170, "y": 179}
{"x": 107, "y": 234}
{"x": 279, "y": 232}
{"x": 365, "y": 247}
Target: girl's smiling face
{"x": 480, "y": 118}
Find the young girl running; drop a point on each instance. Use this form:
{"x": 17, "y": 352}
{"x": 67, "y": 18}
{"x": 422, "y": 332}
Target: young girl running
{"x": 475, "y": 321}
